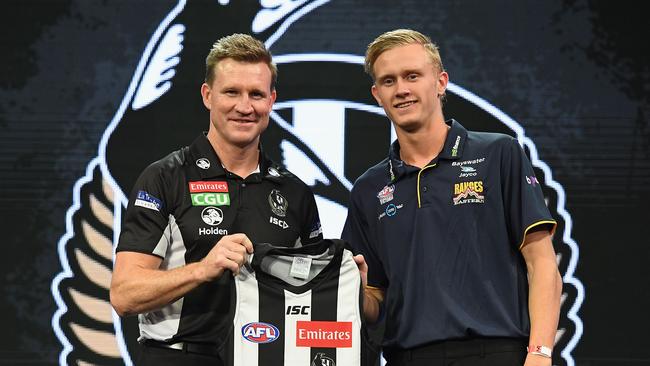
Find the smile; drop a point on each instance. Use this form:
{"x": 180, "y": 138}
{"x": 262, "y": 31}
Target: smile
{"x": 405, "y": 104}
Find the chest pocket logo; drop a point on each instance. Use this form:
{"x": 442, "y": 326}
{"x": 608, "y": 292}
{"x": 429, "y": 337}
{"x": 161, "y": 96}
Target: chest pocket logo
{"x": 278, "y": 203}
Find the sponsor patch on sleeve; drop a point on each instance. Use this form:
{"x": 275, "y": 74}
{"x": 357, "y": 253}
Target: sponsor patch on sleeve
{"x": 316, "y": 230}
{"x": 144, "y": 199}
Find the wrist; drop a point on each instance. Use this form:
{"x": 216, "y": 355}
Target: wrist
{"x": 539, "y": 350}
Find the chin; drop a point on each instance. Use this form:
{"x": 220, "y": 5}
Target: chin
{"x": 408, "y": 125}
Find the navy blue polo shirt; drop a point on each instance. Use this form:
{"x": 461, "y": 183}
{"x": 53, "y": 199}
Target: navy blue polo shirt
{"x": 443, "y": 241}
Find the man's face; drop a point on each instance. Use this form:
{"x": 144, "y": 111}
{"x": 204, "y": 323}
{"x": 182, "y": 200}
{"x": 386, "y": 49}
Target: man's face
{"x": 408, "y": 86}
{"x": 240, "y": 100}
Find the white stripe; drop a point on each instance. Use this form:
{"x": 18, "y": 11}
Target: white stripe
{"x": 295, "y": 355}
{"x": 163, "y": 324}
{"x": 246, "y": 311}
{"x": 348, "y": 309}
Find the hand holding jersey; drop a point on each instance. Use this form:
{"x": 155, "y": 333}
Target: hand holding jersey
{"x": 372, "y": 296}
{"x": 229, "y": 253}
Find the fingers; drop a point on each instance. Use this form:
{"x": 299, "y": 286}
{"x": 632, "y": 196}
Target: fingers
{"x": 361, "y": 262}
{"x": 241, "y": 239}
{"x": 229, "y": 253}
{"x": 363, "y": 268}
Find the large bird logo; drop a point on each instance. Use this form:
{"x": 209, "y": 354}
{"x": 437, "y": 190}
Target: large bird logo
{"x": 326, "y": 129}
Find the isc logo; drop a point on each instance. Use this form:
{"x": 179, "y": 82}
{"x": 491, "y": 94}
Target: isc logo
{"x": 298, "y": 309}
{"x": 260, "y": 332}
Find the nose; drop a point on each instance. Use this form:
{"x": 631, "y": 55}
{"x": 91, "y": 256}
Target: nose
{"x": 244, "y": 105}
{"x": 402, "y": 88}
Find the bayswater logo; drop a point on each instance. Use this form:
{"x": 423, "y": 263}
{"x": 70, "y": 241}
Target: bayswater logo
{"x": 260, "y": 332}
{"x": 317, "y": 122}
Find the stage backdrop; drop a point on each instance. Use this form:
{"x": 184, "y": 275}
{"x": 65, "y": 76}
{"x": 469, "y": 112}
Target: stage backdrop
{"x": 94, "y": 91}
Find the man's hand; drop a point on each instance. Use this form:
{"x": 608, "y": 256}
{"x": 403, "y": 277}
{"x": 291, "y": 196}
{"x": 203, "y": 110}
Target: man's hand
{"x": 230, "y": 253}
{"x": 363, "y": 268}
{"x": 372, "y": 296}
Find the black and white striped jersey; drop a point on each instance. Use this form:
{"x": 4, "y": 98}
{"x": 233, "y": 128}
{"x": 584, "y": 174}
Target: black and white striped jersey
{"x": 298, "y": 306}
{"x": 183, "y": 204}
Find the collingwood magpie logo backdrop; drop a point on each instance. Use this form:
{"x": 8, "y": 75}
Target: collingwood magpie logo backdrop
{"x": 326, "y": 128}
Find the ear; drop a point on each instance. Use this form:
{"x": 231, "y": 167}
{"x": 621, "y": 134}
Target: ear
{"x": 274, "y": 95}
{"x": 375, "y": 93}
{"x": 443, "y": 80}
{"x": 205, "y": 95}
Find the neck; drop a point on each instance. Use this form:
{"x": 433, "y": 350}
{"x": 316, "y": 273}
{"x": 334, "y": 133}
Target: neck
{"x": 239, "y": 160}
{"x": 419, "y": 147}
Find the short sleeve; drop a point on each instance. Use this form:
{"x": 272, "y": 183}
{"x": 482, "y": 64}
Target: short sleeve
{"x": 144, "y": 228}
{"x": 311, "y": 230}
{"x": 357, "y": 233}
{"x": 522, "y": 194}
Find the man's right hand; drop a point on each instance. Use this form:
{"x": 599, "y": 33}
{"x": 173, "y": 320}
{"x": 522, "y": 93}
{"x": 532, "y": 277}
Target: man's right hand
{"x": 230, "y": 253}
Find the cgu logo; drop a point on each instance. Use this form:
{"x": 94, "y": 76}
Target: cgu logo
{"x": 210, "y": 199}
{"x": 260, "y": 332}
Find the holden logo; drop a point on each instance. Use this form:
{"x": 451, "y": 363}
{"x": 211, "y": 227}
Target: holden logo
{"x": 278, "y": 203}
{"x": 273, "y": 172}
{"x": 260, "y": 332}
{"x": 212, "y": 215}
{"x": 203, "y": 163}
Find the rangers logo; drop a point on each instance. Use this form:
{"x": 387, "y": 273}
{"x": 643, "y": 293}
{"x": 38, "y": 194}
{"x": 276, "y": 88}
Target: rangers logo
{"x": 278, "y": 203}
{"x": 317, "y": 122}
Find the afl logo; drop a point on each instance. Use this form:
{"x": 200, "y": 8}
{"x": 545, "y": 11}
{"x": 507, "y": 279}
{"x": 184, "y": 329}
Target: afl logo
{"x": 260, "y": 332}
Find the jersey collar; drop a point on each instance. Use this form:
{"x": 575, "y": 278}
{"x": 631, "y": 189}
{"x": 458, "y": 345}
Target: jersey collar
{"x": 201, "y": 151}
{"x": 452, "y": 150}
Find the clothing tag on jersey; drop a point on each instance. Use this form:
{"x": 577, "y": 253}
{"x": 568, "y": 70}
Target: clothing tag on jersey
{"x": 300, "y": 267}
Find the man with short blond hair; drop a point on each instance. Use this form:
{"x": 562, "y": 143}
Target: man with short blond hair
{"x": 454, "y": 239}
{"x": 194, "y": 215}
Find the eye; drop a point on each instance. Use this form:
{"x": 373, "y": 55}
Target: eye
{"x": 230, "y": 92}
{"x": 387, "y": 81}
{"x": 258, "y": 95}
{"x": 412, "y": 77}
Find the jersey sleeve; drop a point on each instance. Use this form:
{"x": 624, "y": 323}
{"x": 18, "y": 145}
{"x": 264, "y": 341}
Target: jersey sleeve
{"x": 524, "y": 202}
{"x": 358, "y": 235}
{"x": 311, "y": 230}
{"x": 144, "y": 228}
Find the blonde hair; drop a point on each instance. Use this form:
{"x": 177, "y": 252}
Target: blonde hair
{"x": 397, "y": 38}
{"x": 239, "y": 47}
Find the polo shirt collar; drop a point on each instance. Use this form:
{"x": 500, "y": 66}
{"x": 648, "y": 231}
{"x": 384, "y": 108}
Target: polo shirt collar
{"x": 452, "y": 150}
{"x": 202, "y": 150}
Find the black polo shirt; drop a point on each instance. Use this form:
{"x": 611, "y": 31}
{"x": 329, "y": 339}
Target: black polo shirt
{"x": 184, "y": 203}
{"x": 443, "y": 241}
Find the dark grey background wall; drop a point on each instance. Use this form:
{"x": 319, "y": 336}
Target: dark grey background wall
{"x": 574, "y": 73}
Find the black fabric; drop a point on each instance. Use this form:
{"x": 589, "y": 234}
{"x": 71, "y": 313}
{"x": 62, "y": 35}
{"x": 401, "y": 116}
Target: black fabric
{"x": 183, "y": 204}
{"x": 443, "y": 241}
{"x": 472, "y": 352}
{"x": 156, "y": 354}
